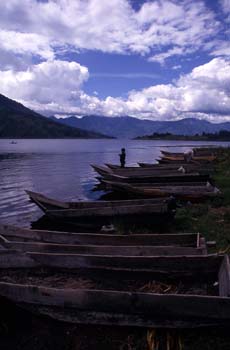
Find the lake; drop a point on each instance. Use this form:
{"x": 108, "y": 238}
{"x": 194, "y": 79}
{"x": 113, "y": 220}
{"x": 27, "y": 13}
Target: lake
{"x": 61, "y": 169}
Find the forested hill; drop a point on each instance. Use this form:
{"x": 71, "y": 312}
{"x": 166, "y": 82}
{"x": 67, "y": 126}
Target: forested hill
{"x": 17, "y": 121}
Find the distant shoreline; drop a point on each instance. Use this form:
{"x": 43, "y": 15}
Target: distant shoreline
{"x": 223, "y": 136}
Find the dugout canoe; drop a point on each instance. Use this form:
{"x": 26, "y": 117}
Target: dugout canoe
{"x": 104, "y": 184}
{"x": 133, "y": 251}
{"x": 143, "y": 309}
{"x": 50, "y": 203}
{"x": 175, "y": 154}
{"x": 181, "y": 178}
{"x": 103, "y": 210}
{"x": 136, "y": 171}
{"x": 188, "y": 167}
{"x": 13, "y": 233}
{"x": 193, "y": 158}
{"x": 187, "y": 193}
{"x": 187, "y": 267}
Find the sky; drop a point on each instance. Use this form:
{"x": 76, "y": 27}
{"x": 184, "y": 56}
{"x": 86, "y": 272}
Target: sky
{"x": 155, "y": 59}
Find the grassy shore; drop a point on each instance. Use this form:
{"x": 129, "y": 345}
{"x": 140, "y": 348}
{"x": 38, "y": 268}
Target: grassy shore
{"x": 212, "y": 219}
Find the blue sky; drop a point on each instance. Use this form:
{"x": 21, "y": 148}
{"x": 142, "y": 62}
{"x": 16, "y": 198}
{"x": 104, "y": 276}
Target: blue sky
{"x": 159, "y": 59}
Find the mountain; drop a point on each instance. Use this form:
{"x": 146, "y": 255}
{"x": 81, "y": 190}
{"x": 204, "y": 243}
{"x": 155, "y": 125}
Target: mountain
{"x": 17, "y": 121}
{"x": 129, "y": 127}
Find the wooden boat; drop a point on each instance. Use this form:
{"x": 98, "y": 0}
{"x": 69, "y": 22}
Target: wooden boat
{"x": 135, "y": 308}
{"x": 160, "y": 166}
{"x": 174, "y": 154}
{"x": 18, "y": 234}
{"x": 178, "y": 162}
{"x": 207, "y": 151}
{"x": 101, "y": 210}
{"x": 193, "y": 158}
{"x": 136, "y": 171}
{"x": 134, "y": 266}
{"x": 50, "y": 203}
{"x": 105, "y": 183}
{"x": 140, "y": 250}
{"x": 181, "y": 178}
{"x": 187, "y": 193}
{"x": 188, "y": 167}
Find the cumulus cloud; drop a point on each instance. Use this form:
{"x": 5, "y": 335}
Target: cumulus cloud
{"x": 56, "y": 87}
{"x": 43, "y": 28}
{"x": 45, "y": 83}
{"x": 40, "y": 31}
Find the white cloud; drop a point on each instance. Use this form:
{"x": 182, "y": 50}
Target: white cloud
{"x": 225, "y": 4}
{"x": 34, "y": 31}
{"x": 26, "y": 43}
{"x": 56, "y": 87}
{"x": 45, "y": 83}
{"x": 44, "y": 28}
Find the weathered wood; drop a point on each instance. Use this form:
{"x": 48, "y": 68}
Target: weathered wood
{"x": 159, "y": 178}
{"x": 161, "y": 185}
{"x": 15, "y": 259}
{"x": 196, "y": 265}
{"x": 171, "y": 166}
{"x": 194, "y": 158}
{"x": 142, "y": 305}
{"x": 224, "y": 278}
{"x": 115, "y": 319}
{"x": 110, "y": 211}
{"x": 174, "y": 154}
{"x": 179, "y": 239}
{"x": 186, "y": 268}
{"x": 50, "y": 203}
{"x": 102, "y": 250}
{"x": 192, "y": 193}
{"x": 138, "y": 171}
{"x": 203, "y": 245}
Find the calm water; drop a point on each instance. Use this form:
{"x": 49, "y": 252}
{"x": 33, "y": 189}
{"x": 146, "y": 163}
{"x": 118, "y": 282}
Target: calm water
{"x": 61, "y": 169}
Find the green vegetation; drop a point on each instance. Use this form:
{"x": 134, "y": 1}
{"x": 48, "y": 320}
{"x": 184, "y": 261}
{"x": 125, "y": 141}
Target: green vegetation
{"x": 222, "y": 135}
{"x": 211, "y": 219}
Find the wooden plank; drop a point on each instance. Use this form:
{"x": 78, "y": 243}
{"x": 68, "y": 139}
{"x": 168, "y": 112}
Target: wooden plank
{"x": 203, "y": 245}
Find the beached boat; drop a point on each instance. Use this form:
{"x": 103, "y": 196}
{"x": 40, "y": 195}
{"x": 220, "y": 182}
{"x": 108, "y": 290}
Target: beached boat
{"x": 103, "y": 211}
{"x": 19, "y": 234}
{"x": 181, "y": 178}
{"x": 187, "y": 193}
{"x": 47, "y": 203}
{"x": 174, "y": 154}
{"x": 173, "y": 292}
{"x": 178, "y": 162}
{"x": 136, "y": 171}
{"x": 206, "y": 151}
{"x": 101, "y": 250}
{"x": 209, "y": 158}
{"x": 189, "y": 168}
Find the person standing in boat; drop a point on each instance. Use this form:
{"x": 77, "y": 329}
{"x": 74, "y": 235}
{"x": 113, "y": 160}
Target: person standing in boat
{"x": 122, "y": 156}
